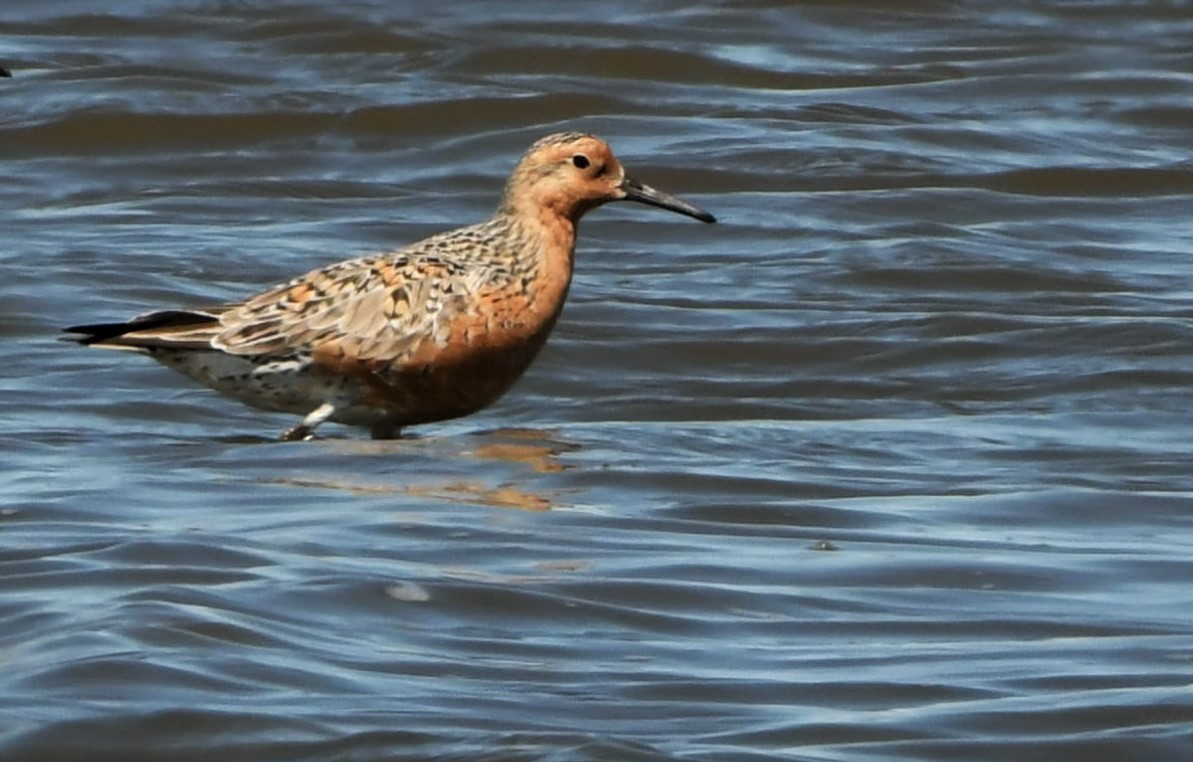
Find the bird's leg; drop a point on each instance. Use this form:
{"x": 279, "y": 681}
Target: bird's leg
{"x": 386, "y": 429}
{"x": 306, "y": 429}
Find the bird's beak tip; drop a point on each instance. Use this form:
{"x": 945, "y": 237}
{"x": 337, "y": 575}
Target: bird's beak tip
{"x": 644, "y": 194}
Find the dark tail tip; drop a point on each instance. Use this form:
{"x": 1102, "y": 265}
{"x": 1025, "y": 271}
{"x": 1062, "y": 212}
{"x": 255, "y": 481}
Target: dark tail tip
{"x": 94, "y": 333}
{"x": 90, "y": 334}
{"x": 5, "y": 72}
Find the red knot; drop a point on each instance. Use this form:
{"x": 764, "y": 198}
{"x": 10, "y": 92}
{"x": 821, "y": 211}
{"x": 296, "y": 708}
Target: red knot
{"x": 436, "y": 330}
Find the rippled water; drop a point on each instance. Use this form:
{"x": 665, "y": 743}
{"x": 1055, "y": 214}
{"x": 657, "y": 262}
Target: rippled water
{"x": 891, "y": 463}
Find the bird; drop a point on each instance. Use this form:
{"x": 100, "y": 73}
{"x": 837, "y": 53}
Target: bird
{"x": 432, "y": 331}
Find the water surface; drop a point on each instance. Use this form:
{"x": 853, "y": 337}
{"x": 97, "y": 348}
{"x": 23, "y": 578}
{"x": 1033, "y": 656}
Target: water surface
{"x": 890, "y": 463}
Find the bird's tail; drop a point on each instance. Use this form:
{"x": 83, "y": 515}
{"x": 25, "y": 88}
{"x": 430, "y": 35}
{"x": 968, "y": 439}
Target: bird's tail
{"x": 180, "y": 329}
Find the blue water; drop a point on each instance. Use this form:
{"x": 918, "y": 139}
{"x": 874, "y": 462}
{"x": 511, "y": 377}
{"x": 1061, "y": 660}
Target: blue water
{"x": 890, "y": 463}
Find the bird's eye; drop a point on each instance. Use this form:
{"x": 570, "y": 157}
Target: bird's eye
{"x": 580, "y": 161}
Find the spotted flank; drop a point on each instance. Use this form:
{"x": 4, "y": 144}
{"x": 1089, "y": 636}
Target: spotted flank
{"x": 433, "y": 331}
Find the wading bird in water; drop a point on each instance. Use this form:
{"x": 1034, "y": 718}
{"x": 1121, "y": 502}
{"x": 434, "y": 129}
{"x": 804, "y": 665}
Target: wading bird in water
{"x": 436, "y": 330}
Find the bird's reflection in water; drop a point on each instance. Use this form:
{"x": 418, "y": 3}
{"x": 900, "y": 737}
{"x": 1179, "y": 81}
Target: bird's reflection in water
{"x": 534, "y": 449}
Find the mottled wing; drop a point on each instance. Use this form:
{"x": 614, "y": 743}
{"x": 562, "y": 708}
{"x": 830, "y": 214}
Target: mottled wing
{"x": 372, "y": 310}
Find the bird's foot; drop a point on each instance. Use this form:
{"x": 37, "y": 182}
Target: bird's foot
{"x": 386, "y": 430}
{"x": 299, "y": 433}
